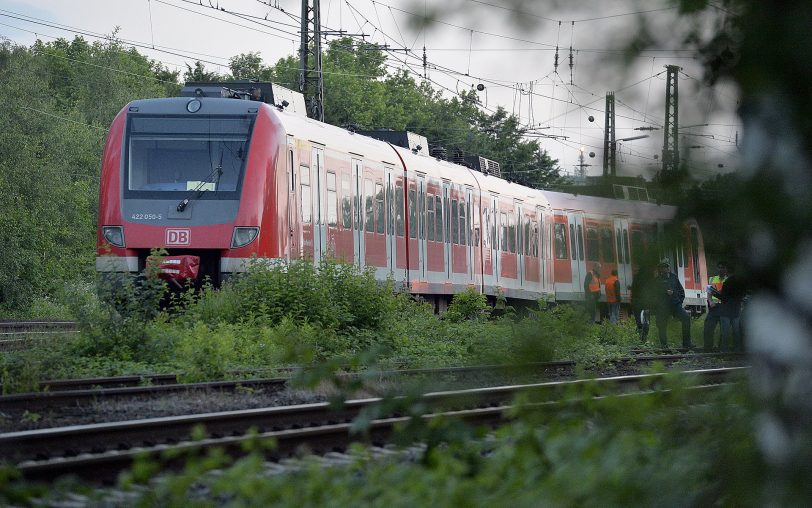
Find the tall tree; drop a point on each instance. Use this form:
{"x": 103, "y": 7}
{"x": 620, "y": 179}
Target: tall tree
{"x": 199, "y": 73}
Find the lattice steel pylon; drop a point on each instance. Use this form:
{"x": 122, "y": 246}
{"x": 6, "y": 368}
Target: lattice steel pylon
{"x": 311, "y": 79}
{"x": 671, "y": 127}
{"x": 609, "y": 142}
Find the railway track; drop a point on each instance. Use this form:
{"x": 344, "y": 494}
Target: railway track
{"x": 55, "y": 394}
{"x": 11, "y": 328}
{"x": 18, "y": 335}
{"x": 98, "y": 452}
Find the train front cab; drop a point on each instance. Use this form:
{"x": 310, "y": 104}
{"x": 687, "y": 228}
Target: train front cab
{"x": 192, "y": 176}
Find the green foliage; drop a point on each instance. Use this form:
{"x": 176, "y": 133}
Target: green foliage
{"x": 114, "y": 322}
{"x": 56, "y": 101}
{"x": 469, "y": 304}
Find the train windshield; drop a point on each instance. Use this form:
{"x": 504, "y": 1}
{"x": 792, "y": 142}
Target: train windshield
{"x": 169, "y": 157}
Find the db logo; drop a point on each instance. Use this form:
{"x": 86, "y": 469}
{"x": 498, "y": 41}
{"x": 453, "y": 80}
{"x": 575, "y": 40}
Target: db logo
{"x": 178, "y": 236}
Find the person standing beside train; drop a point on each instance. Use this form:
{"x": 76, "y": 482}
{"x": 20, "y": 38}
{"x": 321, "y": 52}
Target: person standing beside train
{"x": 713, "y": 319}
{"x": 592, "y": 292}
{"x": 731, "y": 297}
{"x": 612, "y": 285}
{"x": 644, "y": 295}
{"x": 672, "y": 294}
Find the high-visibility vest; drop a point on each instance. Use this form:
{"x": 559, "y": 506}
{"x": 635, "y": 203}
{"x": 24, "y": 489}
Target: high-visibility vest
{"x": 595, "y": 284}
{"x": 717, "y": 282}
{"x": 611, "y": 295}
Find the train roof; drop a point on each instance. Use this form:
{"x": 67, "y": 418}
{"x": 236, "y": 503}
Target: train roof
{"x": 609, "y": 206}
{"x": 332, "y": 136}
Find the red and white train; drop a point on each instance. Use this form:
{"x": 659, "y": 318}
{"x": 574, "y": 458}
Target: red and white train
{"x": 219, "y": 181}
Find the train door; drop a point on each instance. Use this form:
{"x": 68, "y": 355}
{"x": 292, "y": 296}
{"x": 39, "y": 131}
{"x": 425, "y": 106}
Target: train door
{"x": 447, "y": 250}
{"x": 421, "y": 225}
{"x": 624, "y": 258}
{"x": 520, "y": 241}
{"x": 575, "y": 223}
{"x": 391, "y": 245}
{"x": 541, "y": 249}
{"x": 292, "y": 250}
{"x": 495, "y": 236}
{"x": 468, "y": 225}
{"x": 679, "y": 259}
{"x": 306, "y": 233}
{"x": 358, "y": 212}
{"x": 319, "y": 219}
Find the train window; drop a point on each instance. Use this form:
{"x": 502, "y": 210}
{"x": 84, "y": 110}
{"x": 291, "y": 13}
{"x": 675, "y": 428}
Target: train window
{"x": 463, "y": 224}
{"x": 412, "y": 212}
{"x": 421, "y": 210}
{"x": 607, "y": 247}
{"x": 307, "y": 207}
{"x": 292, "y": 171}
{"x": 380, "y": 212}
{"x": 390, "y": 204}
{"x": 438, "y": 218}
{"x": 486, "y": 227}
{"x": 430, "y": 216}
{"x": 536, "y": 240}
{"x": 592, "y": 247}
{"x": 346, "y": 204}
{"x": 358, "y": 201}
{"x": 476, "y": 234}
{"x": 519, "y": 238}
{"x": 580, "y": 243}
{"x": 494, "y": 228}
{"x": 573, "y": 250}
{"x": 638, "y": 245}
{"x": 528, "y": 237}
{"x": 561, "y": 241}
{"x": 695, "y": 253}
{"x": 504, "y": 223}
{"x": 399, "y": 208}
{"x": 332, "y": 200}
{"x": 512, "y": 233}
{"x": 455, "y": 222}
{"x": 180, "y": 154}
{"x": 626, "y": 246}
{"x": 369, "y": 209}
{"x": 619, "y": 246}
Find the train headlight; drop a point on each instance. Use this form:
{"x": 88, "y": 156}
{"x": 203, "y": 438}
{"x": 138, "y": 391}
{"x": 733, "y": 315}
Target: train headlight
{"x": 193, "y": 106}
{"x": 114, "y": 235}
{"x": 243, "y": 236}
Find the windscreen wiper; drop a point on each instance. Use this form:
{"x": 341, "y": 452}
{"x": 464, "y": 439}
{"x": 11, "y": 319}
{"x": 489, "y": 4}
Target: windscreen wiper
{"x": 199, "y": 190}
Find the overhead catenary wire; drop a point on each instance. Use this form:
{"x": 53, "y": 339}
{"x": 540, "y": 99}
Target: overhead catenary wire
{"x": 571, "y": 96}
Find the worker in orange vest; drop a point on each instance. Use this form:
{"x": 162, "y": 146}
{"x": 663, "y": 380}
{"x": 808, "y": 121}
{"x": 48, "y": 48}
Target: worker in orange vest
{"x": 612, "y": 285}
{"x": 592, "y": 292}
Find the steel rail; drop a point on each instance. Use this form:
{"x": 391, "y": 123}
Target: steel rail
{"x": 103, "y": 468}
{"x": 42, "y": 401}
{"x": 72, "y": 392}
{"x": 162, "y": 379}
{"x": 75, "y": 440}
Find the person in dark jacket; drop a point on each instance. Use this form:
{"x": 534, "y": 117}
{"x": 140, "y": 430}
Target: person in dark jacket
{"x": 714, "y": 316}
{"x": 644, "y": 293}
{"x": 669, "y": 304}
{"x": 731, "y": 296}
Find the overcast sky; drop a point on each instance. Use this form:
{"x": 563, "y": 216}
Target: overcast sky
{"x": 470, "y": 42}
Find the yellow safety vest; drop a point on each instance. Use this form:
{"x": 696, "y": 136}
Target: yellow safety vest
{"x": 717, "y": 282}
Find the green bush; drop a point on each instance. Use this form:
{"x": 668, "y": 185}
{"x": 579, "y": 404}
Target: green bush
{"x": 114, "y": 322}
{"x": 468, "y": 305}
